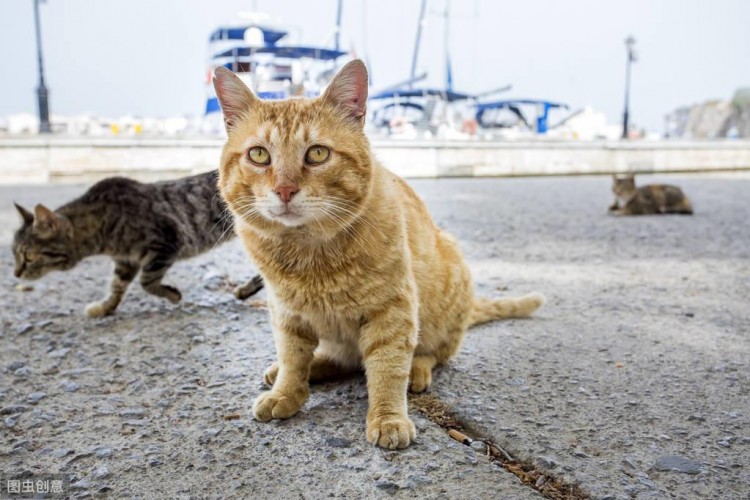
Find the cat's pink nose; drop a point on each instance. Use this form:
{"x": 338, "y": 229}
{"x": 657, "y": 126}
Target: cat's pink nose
{"x": 286, "y": 192}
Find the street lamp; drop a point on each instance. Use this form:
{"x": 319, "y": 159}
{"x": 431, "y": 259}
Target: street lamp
{"x": 41, "y": 91}
{"x": 630, "y": 45}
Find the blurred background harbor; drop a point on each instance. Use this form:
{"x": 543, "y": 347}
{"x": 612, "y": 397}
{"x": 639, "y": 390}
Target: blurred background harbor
{"x": 457, "y": 88}
{"x": 630, "y": 383}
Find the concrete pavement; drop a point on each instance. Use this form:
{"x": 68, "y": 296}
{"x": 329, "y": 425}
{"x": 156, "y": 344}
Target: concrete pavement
{"x": 633, "y": 382}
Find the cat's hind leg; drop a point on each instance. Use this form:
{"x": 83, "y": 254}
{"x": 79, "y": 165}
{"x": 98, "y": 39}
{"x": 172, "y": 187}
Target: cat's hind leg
{"x": 421, "y": 372}
{"x": 125, "y": 272}
{"x": 252, "y": 287}
{"x": 155, "y": 266}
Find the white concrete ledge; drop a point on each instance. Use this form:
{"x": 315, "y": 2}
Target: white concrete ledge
{"x": 61, "y": 159}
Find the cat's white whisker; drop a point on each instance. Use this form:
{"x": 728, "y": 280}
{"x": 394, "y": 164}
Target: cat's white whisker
{"x": 348, "y": 228}
{"x": 356, "y": 216}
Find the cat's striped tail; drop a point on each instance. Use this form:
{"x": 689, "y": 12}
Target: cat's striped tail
{"x": 687, "y": 207}
{"x": 486, "y": 309}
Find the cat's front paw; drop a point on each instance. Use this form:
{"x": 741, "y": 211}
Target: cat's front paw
{"x": 391, "y": 432}
{"x": 272, "y": 404}
{"x": 98, "y": 310}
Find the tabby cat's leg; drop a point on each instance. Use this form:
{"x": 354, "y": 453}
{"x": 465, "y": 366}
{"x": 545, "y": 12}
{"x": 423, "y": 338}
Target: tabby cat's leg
{"x": 421, "y": 372}
{"x": 155, "y": 265}
{"x": 387, "y": 342}
{"x": 247, "y": 289}
{"x": 295, "y": 344}
{"x": 125, "y": 272}
{"x": 322, "y": 369}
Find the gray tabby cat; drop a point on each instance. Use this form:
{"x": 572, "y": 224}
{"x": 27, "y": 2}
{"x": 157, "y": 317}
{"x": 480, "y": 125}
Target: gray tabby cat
{"x": 143, "y": 227}
{"x": 647, "y": 200}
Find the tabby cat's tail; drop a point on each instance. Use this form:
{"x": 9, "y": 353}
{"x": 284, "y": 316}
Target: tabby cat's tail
{"x": 518, "y": 307}
{"x": 687, "y": 207}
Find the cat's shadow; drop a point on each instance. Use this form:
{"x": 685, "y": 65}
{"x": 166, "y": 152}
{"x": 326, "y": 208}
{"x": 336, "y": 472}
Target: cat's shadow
{"x": 358, "y": 380}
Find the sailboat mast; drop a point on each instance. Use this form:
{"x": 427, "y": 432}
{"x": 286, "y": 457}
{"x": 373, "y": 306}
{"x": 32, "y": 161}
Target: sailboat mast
{"x": 338, "y": 24}
{"x": 446, "y": 36}
{"x": 416, "y": 43}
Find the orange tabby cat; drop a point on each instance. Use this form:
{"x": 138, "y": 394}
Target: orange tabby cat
{"x": 358, "y": 275}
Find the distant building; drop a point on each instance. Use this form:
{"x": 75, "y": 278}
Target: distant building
{"x": 712, "y": 119}
{"x": 676, "y": 122}
{"x": 738, "y": 124}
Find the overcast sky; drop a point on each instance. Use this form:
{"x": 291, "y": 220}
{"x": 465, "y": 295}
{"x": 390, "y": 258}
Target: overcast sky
{"x": 148, "y": 57}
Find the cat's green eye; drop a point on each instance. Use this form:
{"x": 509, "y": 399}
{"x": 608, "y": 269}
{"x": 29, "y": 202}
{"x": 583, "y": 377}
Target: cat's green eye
{"x": 259, "y": 155}
{"x": 317, "y": 154}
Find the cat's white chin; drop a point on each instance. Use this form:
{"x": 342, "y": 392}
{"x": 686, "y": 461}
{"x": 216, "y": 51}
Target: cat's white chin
{"x": 289, "y": 219}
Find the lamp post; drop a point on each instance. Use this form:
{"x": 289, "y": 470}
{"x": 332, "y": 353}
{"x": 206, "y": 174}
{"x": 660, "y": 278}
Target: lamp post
{"x": 41, "y": 91}
{"x": 630, "y": 45}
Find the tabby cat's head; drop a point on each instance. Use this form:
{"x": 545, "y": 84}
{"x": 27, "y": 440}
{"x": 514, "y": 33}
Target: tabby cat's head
{"x": 297, "y": 163}
{"x": 44, "y": 243}
{"x": 623, "y": 186}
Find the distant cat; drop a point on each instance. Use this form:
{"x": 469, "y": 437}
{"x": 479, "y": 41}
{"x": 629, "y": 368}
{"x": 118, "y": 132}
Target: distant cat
{"x": 143, "y": 227}
{"x": 647, "y": 200}
{"x": 359, "y": 275}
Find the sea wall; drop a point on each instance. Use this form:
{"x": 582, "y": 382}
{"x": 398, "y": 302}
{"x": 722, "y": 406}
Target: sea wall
{"x": 56, "y": 159}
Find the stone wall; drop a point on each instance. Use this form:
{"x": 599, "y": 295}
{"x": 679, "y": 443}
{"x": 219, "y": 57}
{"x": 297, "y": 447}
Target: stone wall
{"x": 42, "y": 160}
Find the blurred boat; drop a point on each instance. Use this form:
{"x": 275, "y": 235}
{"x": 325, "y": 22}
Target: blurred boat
{"x": 266, "y": 59}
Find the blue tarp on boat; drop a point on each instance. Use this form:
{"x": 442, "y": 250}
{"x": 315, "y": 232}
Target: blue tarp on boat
{"x": 513, "y": 106}
{"x": 291, "y": 52}
{"x": 448, "y": 95}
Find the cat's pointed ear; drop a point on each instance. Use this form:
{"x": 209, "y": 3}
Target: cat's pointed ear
{"x": 348, "y": 90}
{"x": 234, "y": 96}
{"x": 28, "y": 217}
{"x": 45, "y": 220}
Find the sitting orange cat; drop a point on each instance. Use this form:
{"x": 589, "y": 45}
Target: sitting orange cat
{"x": 358, "y": 275}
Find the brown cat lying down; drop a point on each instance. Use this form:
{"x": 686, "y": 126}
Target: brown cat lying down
{"x": 143, "y": 227}
{"x": 647, "y": 200}
{"x": 358, "y": 275}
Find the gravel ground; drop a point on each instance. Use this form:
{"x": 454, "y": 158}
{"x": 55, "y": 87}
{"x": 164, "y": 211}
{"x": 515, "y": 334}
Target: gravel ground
{"x": 639, "y": 357}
